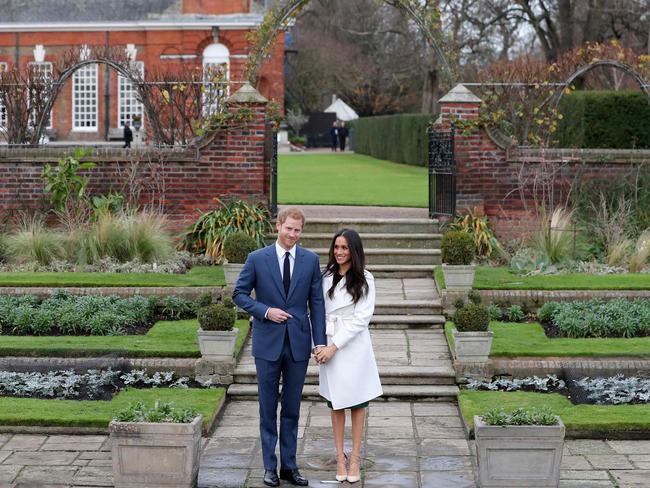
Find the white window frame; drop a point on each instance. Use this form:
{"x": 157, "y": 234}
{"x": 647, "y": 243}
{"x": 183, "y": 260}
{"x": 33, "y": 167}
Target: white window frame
{"x": 76, "y": 127}
{"x": 124, "y": 85}
{"x": 38, "y": 65}
{"x": 3, "y": 112}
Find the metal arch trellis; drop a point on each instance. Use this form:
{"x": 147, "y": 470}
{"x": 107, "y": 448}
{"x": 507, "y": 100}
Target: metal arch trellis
{"x": 285, "y": 10}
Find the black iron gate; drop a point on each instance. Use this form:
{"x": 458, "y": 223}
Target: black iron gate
{"x": 442, "y": 173}
{"x": 271, "y": 157}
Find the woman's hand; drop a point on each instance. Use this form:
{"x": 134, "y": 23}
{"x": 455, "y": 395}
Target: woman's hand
{"x": 324, "y": 354}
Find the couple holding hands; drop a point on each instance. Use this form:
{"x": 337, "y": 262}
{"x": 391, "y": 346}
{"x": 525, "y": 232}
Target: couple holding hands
{"x": 299, "y": 311}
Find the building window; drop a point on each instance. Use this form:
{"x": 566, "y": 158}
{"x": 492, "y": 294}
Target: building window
{"x": 84, "y": 99}
{"x": 216, "y": 66}
{"x": 43, "y": 69}
{"x": 3, "y": 110}
{"x": 129, "y": 105}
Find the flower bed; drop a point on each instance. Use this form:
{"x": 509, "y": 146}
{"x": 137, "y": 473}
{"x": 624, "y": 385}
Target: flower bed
{"x": 66, "y": 314}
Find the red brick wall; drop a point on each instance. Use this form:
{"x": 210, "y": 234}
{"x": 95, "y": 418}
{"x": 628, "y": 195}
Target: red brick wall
{"x": 508, "y": 185}
{"x": 231, "y": 164}
{"x": 214, "y": 7}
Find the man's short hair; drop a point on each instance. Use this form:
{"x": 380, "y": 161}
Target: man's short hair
{"x": 293, "y": 212}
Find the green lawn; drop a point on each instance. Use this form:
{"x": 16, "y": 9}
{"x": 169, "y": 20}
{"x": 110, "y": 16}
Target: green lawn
{"x": 502, "y": 278}
{"x": 526, "y": 340}
{"x": 165, "y": 339}
{"x": 197, "y": 276}
{"x": 350, "y": 179}
{"x": 96, "y": 413}
{"x": 596, "y": 421}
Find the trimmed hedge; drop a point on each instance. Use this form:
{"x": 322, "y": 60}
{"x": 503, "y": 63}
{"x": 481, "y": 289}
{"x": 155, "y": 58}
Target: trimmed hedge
{"x": 604, "y": 119}
{"x": 399, "y": 138}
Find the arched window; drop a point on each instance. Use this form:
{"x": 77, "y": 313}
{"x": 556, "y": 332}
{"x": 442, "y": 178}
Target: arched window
{"x": 216, "y": 73}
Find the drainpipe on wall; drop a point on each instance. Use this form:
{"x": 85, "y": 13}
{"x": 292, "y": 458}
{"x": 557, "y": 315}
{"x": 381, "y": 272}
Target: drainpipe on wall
{"x": 107, "y": 92}
{"x": 17, "y": 51}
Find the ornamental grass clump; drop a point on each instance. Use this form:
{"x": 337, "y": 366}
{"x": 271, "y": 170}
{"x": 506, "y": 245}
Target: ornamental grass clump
{"x": 457, "y": 248}
{"x": 238, "y": 246}
{"x": 217, "y": 316}
{"x": 33, "y": 242}
{"x": 473, "y": 316}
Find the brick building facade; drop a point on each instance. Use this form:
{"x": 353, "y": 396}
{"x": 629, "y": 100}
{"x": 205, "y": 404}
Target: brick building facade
{"x": 157, "y": 34}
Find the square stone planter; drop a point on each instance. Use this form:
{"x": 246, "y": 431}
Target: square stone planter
{"x": 155, "y": 455}
{"x": 457, "y": 277}
{"x": 217, "y": 345}
{"x": 473, "y": 346}
{"x": 231, "y": 272}
{"x": 519, "y": 456}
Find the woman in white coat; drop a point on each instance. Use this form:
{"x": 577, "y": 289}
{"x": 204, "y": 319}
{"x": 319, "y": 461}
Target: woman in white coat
{"x": 348, "y": 371}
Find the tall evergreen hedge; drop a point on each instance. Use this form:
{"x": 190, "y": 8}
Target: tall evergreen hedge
{"x": 604, "y": 119}
{"x": 400, "y": 138}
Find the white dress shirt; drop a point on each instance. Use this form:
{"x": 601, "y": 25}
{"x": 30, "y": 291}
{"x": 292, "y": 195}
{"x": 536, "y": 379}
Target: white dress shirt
{"x": 280, "y": 251}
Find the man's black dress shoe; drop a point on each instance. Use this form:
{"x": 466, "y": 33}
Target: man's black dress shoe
{"x": 271, "y": 478}
{"x": 294, "y": 477}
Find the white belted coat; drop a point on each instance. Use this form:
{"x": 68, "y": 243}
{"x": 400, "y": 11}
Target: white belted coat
{"x": 351, "y": 376}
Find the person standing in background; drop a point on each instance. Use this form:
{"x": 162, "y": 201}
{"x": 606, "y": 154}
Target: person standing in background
{"x": 343, "y": 135}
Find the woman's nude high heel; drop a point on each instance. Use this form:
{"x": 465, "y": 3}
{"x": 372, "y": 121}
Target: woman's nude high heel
{"x": 354, "y": 473}
{"x": 341, "y": 467}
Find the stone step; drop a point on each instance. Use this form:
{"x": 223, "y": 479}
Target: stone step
{"x": 390, "y": 375}
{"x": 373, "y": 241}
{"x": 441, "y": 393}
{"x": 377, "y": 226}
{"x": 408, "y": 307}
{"x": 400, "y": 270}
{"x": 383, "y": 322}
{"x": 393, "y": 257}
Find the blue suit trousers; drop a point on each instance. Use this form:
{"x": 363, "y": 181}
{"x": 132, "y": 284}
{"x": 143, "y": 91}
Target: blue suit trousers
{"x": 268, "y": 382}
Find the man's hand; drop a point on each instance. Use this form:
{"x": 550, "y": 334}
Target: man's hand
{"x": 278, "y": 315}
{"x": 324, "y": 354}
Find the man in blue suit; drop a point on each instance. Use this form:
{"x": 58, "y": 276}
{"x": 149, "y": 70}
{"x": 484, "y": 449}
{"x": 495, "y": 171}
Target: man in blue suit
{"x": 288, "y": 321}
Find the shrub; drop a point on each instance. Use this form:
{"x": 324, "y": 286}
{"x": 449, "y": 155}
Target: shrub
{"x": 3, "y": 248}
{"x": 204, "y": 300}
{"x": 472, "y": 318}
{"x": 547, "y": 310}
{"x": 605, "y": 118}
{"x": 34, "y": 243}
{"x": 217, "y": 317}
{"x": 477, "y": 226}
{"x": 176, "y": 308}
{"x": 515, "y": 313}
{"x": 494, "y": 311}
{"x": 474, "y": 296}
{"x": 595, "y": 318}
{"x": 457, "y": 247}
{"x": 159, "y": 412}
{"x": 399, "y": 138}
{"x": 62, "y": 181}
{"x": 207, "y": 235}
{"x": 238, "y": 246}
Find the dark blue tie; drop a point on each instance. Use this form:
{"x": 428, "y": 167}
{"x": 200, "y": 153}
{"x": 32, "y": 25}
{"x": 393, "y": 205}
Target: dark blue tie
{"x": 286, "y": 273}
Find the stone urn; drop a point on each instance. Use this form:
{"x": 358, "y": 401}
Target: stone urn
{"x": 147, "y": 454}
{"x": 217, "y": 345}
{"x": 231, "y": 273}
{"x": 519, "y": 455}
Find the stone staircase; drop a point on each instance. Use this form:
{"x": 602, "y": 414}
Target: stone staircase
{"x": 406, "y": 329}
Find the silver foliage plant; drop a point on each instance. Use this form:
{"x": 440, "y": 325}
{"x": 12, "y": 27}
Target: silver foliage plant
{"x": 617, "y": 389}
{"x": 546, "y": 383}
{"x": 66, "y": 384}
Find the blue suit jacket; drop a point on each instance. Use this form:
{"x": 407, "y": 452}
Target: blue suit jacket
{"x": 261, "y": 273}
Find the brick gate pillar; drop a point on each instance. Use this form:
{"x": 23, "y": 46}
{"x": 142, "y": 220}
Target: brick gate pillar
{"x": 459, "y": 105}
{"x": 233, "y": 159}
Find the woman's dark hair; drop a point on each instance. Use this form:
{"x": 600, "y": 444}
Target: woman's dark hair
{"x": 355, "y": 279}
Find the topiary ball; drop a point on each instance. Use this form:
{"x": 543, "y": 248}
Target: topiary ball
{"x": 217, "y": 317}
{"x": 472, "y": 318}
{"x": 457, "y": 248}
{"x": 238, "y": 246}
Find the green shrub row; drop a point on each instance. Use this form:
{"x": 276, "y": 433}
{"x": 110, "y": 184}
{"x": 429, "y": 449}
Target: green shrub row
{"x": 603, "y": 118}
{"x": 399, "y": 138}
{"x": 67, "y": 314}
{"x": 597, "y": 318}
